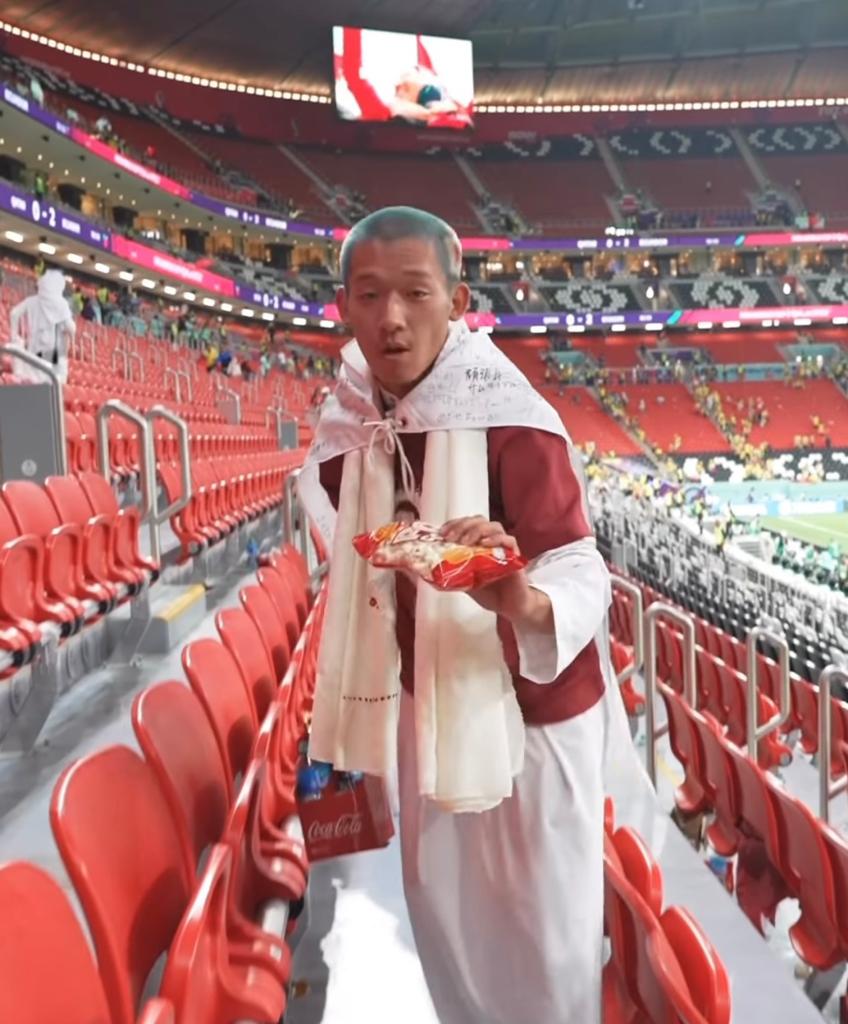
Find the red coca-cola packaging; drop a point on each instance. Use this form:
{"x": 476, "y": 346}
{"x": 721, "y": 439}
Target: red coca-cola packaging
{"x": 347, "y": 814}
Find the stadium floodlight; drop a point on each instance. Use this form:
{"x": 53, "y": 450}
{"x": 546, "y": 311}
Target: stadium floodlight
{"x": 267, "y": 316}
{"x": 126, "y": 275}
{"x": 207, "y": 301}
{"x": 618, "y": 328}
{"x": 705, "y": 325}
{"x": 226, "y": 307}
{"x": 576, "y": 329}
{"x": 328, "y": 325}
{"x": 14, "y": 236}
{"x": 732, "y": 324}
{"x": 538, "y": 329}
{"x": 248, "y": 312}
{"x": 839, "y": 321}
{"x": 299, "y": 321}
{"x": 147, "y": 283}
{"x": 47, "y": 248}
{"x": 654, "y": 327}
{"x": 189, "y": 296}
{"x": 102, "y": 268}
{"x": 169, "y": 289}
{"x": 802, "y": 321}
{"x": 74, "y": 257}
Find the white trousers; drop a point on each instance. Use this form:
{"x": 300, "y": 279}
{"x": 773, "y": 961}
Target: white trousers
{"x": 507, "y": 906}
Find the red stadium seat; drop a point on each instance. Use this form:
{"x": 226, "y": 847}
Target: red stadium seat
{"x": 806, "y": 868}
{"x": 120, "y": 847}
{"x": 719, "y": 785}
{"x": 215, "y": 677}
{"x": 71, "y": 570}
{"x": 259, "y": 606}
{"x": 72, "y": 504}
{"x": 705, "y": 974}
{"x": 639, "y": 866}
{"x": 207, "y": 979}
{"x": 689, "y": 795}
{"x": 279, "y": 589}
{"x": 191, "y": 774}
{"x": 102, "y": 500}
{"x": 242, "y": 638}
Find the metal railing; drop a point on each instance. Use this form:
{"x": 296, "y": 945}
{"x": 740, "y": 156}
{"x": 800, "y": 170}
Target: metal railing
{"x": 637, "y": 615}
{"x": 690, "y": 693}
{"x": 147, "y": 465}
{"x": 157, "y": 515}
{"x": 754, "y": 733}
{"x": 170, "y": 372}
{"x": 56, "y": 395}
{"x": 119, "y": 355}
{"x": 827, "y": 789}
{"x": 189, "y": 388}
{"x": 135, "y": 359}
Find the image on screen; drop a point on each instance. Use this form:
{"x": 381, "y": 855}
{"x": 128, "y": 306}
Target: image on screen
{"x": 425, "y": 81}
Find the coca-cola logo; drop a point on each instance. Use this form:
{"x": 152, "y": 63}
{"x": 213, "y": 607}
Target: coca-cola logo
{"x": 344, "y": 826}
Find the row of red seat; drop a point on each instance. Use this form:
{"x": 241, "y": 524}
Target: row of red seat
{"x": 662, "y": 967}
{"x": 68, "y": 555}
{"x": 132, "y": 832}
{"x": 783, "y": 848}
{"x": 225, "y": 494}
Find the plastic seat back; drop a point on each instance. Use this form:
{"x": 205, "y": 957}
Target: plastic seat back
{"x": 280, "y": 591}
{"x": 805, "y": 867}
{"x": 689, "y": 795}
{"x": 259, "y": 606}
{"x": 192, "y": 775}
{"x": 756, "y": 810}
{"x": 639, "y": 866}
{"x": 705, "y": 974}
{"x": 121, "y": 850}
{"x": 47, "y": 972}
{"x": 719, "y": 784}
{"x": 215, "y": 678}
{"x": 31, "y": 509}
{"x": 242, "y": 638}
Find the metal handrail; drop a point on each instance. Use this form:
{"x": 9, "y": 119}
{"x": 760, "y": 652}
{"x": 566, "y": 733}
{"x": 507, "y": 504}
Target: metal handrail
{"x": 148, "y": 475}
{"x": 56, "y": 390}
{"x": 754, "y": 733}
{"x": 178, "y": 391}
{"x": 119, "y": 352}
{"x": 235, "y": 396}
{"x": 827, "y": 790}
{"x": 86, "y": 336}
{"x": 289, "y": 499}
{"x": 690, "y": 693}
{"x": 135, "y": 359}
{"x": 189, "y": 384}
{"x": 626, "y": 587}
{"x": 158, "y": 516}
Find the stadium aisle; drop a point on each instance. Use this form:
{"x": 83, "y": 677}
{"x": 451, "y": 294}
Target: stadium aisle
{"x": 358, "y": 952}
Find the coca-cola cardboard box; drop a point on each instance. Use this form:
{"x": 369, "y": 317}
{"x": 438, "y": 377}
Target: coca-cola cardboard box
{"x": 348, "y": 815}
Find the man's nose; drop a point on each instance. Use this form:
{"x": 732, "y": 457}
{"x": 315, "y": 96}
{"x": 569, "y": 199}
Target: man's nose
{"x": 393, "y": 313}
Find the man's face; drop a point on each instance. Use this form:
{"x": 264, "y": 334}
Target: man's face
{"x": 398, "y": 304}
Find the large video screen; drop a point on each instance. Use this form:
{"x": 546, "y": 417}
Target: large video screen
{"x": 425, "y": 81}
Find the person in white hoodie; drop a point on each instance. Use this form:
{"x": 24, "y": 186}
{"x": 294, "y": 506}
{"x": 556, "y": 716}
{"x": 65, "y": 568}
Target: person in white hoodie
{"x": 44, "y": 325}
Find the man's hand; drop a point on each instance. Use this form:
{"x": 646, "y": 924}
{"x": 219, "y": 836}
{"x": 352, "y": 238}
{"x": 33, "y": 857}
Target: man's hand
{"x": 511, "y": 597}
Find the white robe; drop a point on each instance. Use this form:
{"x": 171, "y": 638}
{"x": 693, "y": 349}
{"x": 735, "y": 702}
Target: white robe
{"x": 507, "y": 906}
{"x": 44, "y": 325}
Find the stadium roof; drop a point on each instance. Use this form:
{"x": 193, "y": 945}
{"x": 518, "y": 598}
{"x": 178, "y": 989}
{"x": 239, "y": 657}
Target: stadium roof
{"x": 519, "y": 44}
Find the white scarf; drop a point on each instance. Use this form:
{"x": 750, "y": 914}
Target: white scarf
{"x": 469, "y": 731}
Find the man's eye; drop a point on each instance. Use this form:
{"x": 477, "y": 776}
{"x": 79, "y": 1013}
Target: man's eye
{"x": 367, "y": 295}
{"x": 419, "y": 293}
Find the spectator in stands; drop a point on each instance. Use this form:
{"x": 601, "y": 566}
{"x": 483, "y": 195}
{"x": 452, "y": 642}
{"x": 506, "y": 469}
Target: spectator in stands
{"x": 44, "y": 325}
{"x": 538, "y": 905}
{"x": 39, "y": 185}
{"x": 36, "y": 91}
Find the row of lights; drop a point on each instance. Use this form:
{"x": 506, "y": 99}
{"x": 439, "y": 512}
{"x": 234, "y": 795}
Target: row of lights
{"x": 177, "y": 76}
{"x": 150, "y": 284}
{"x": 646, "y": 108}
{"x": 539, "y": 107}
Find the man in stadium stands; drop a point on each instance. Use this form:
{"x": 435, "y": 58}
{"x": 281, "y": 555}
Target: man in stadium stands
{"x": 44, "y": 324}
{"x": 506, "y": 904}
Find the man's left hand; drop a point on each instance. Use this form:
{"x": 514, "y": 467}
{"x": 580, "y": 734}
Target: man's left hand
{"x": 512, "y": 597}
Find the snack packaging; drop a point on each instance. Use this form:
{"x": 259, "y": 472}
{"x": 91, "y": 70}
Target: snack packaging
{"x": 419, "y": 548}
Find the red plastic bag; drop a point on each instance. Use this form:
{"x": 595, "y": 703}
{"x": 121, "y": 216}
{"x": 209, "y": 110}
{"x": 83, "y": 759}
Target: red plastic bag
{"x": 419, "y": 548}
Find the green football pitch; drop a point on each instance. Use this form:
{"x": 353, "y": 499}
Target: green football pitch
{"x": 814, "y": 529}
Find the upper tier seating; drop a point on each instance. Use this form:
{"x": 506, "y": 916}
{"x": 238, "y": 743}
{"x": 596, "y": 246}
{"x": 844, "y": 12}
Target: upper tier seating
{"x": 790, "y": 410}
{"x": 670, "y": 412}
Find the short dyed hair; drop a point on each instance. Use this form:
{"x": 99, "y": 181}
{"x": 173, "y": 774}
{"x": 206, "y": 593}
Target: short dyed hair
{"x": 395, "y": 222}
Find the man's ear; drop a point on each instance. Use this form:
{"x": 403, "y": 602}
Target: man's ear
{"x": 341, "y": 302}
{"x": 460, "y": 301}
